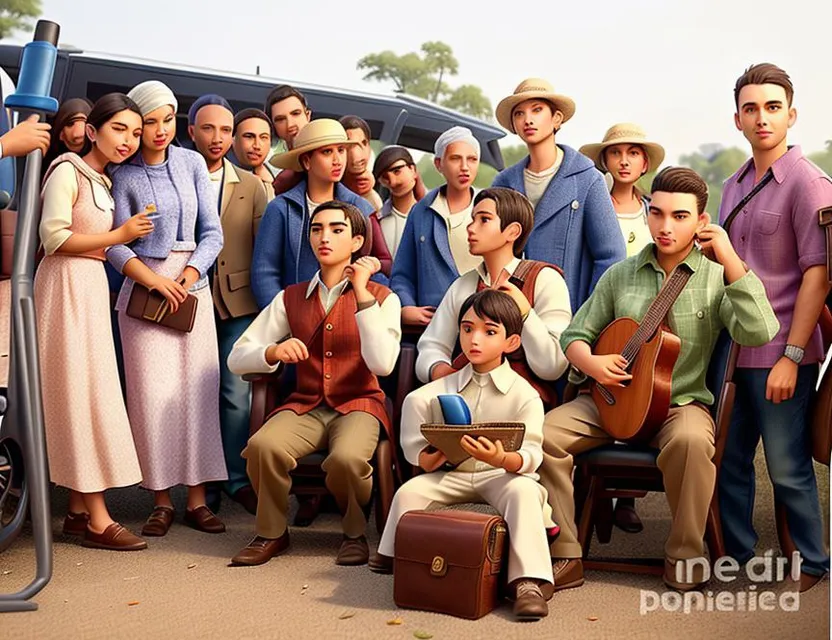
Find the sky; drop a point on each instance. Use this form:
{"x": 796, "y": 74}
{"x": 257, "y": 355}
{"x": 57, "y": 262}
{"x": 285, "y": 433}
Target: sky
{"x": 667, "y": 65}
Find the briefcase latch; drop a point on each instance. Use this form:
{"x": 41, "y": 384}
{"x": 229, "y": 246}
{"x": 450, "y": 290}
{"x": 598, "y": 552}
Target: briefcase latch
{"x": 438, "y": 567}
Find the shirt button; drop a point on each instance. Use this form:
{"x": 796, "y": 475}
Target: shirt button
{"x": 328, "y": 354}
{"x": 742, "y": 238}
{"x": 222, "y": 263}
{"x": 327, "y": 376}
{"x": 421, "y": 238}
{"x": 575, "y": 205}
{"x": 329, "y": 326}
{"x": 700, "y": 314}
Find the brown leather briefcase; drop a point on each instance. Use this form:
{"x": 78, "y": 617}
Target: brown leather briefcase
{"x": 449, "y": 562}
{"x": 152, "y": 306}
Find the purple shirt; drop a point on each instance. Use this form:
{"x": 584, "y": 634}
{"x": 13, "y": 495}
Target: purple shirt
{"x": 777, "y": 234}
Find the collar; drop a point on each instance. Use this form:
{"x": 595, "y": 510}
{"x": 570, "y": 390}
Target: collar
{"x": 482, "y": 270}
{"x": 316, "y": 280}
{"x": 781, "y": 168}
{"x": 503, "y": 377}
{"x": 648, "y": 256}
{"x": 386, "y": 209}
{"x": 231, "y": 176}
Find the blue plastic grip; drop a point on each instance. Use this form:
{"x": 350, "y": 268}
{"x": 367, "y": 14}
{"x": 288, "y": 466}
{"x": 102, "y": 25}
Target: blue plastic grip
{"x": 35, "y": 80}
{"x": 454, "y": 409}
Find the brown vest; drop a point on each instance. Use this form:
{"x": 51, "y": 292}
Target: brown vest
{"x": 334, "y": 374}
{"x": 527, "y": 272}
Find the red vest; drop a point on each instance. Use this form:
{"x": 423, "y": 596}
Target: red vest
{"x": 334, "y": 373}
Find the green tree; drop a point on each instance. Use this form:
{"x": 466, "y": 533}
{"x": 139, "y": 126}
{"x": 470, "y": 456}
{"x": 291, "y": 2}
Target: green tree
{"x": 715, "y": 164}
{"x": 14, "y": 15}
{"x": 823, "y": 158}
{"x": 469, "y": 98}
{"x": 439, "y": 59}
{"x": 407, "y": 72}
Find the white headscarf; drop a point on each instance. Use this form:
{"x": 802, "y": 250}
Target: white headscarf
{"x": 151, "y": 95}
{"x": 455, "y": 134}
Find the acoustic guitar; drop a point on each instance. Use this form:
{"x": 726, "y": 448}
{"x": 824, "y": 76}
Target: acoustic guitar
{"x": 636, "y": 411}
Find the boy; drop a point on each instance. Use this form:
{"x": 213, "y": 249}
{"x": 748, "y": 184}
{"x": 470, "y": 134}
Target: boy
{"x": 489, "y": 325}
{"x": 575, "y": 226}
{"x": 434, "y": 245}
{"x": 342, "y": 331}
{"x": 502, "y": 222}
{"x": 358, "y": 177}
{"x": 289, "y": 113}
{"x": 776, "y": 232}
{"x": 720, "y": 293}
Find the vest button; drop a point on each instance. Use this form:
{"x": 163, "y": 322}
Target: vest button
{"x": 329, "y": 326}
{"x": 328, "y": 354}
{"x": 327, "y": 376}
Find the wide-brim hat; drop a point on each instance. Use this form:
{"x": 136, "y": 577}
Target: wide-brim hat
{"x": 315, "y": 135}
{"x": 624, "y": 133}
{"x": 531, "y": 89}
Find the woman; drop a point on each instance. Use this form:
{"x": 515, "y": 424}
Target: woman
{"x": 626, "y": 154}
{"x": 172, "y": 377}
{"x": 87, "y": 431}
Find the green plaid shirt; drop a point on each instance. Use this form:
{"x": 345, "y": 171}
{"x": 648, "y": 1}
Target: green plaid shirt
{"x": 706, "y": 306}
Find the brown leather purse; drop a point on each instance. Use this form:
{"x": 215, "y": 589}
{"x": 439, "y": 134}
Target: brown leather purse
{"x": 449, "y": 562}
{"x": 152, "y": 306}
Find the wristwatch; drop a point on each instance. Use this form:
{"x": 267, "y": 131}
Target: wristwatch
{"x": 794, "y": 353}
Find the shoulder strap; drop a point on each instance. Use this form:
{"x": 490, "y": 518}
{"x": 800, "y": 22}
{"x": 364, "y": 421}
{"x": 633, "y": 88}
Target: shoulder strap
{"x": 768, "y": 177}
{"x": 825, "y": 221}
{"x": 525, "y": 276}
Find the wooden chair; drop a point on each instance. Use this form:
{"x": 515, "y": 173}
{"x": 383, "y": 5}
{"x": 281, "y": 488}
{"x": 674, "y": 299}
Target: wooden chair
{"x": 624, "y": 470}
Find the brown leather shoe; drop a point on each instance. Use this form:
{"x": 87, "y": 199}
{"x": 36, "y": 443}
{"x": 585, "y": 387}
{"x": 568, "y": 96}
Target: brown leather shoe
{"x": 203, "y": 519}
{"x": 246, "y": 497}
{"x": 115, "y": 538}
{"x": 626, "y": 518}
{"x": 308, "y": 509}
{"x": 530, "y": 603}
{"x": 670, "y": 576}
{"x": 159, "y": 521}
{"x": 380, "y": 563}
{"x": 807, "y": 581}
{"x": 75, "y": 524}
{"x": 569, "y": 573}
{"x": 353, "y": 552}
{"x": 260, "y": 550}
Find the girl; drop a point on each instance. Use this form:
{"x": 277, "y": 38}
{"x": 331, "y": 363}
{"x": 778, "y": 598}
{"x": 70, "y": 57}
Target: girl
{"x": 88, "y": 435}
{"x": 172, "y": 377}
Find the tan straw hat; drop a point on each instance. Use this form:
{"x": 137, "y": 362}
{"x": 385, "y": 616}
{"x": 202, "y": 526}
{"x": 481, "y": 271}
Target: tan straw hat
{"x": 315, "y": 135}
{"x": 624, "y": 133}
{"x": 530, "y": 89}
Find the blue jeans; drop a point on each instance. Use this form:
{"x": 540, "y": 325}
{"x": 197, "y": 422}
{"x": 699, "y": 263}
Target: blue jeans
{"x": 235, "y": 404}
{"x": 786, "y": 436}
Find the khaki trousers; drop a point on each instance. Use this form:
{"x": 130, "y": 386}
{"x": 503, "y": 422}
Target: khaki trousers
{"x": 686, "y": 441}
{"x": 273, "y": 452}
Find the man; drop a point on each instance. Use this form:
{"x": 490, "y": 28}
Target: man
{"x": 358, "y": 177}
{"x": 341, "y": 331}
{"x": 719, "y": 290}
{"x": 241, "y": 201}
{"x": 282, "y": 253}
{"x": 776, "y": 233}
{"x": 24, "y": 138}
{"x": 251, "y": 146}
{"x": 289, "y": 113}
{"x": 434, "y": 246}
{"x": 69, "y": 129}
{"x": 575, "y": 226}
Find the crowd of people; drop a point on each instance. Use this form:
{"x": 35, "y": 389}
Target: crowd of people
{"x": 295, "y": 259}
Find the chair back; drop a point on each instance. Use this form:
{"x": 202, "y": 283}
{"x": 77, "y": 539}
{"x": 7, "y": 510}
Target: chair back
{"x": 720, "y": 381}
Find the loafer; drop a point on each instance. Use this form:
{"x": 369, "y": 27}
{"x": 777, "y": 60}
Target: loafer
{"x": 626, "y": 518}
{"x": 807, "y": 581}
{"x": 159, "y": 521}
{"x": 203, "y": 519}
{"x": 529, "y": 603}
{"x": 260, "y": 550}
{"x": 246, "y": 497}
{"x": 568, "y": 572}
{"x": 115, "y": 538}
{"x": 75, "y": 524}
{"x": 380, "y": 563}
{"x": 353, "y": 552}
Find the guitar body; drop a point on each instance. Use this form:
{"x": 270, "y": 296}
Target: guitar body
{"x": 640, "y": 408}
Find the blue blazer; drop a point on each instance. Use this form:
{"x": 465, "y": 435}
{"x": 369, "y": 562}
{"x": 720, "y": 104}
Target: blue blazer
{"x": 575, "y": 226}
{"x": 424, "y": 267}
{"x": 282, "y": 253}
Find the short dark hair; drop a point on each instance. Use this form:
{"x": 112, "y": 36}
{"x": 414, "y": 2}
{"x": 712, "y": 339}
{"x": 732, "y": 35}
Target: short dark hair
{"x": 496, "y": 306}
{"x": 764, "y": 73}
{"x": 280, "y": 93}
{"x": 358, "y": 224}
{"x": 354, "y": 122}
{"x": 511, "y": 206}
{"x": 248, "y": 114}
{"x": 682, "y": 180}
{"x": 103, "y": 111}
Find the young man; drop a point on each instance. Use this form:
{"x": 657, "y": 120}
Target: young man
{"x": 434, "y": 245}
{"x": 282, "y": 253}
{"x": 341, "y": 331}
{"x": 358, "y": 177}
{"x": 489, "y": 324}
{"x": 721, "y": 293}
{"x": 289, "y": 113}
{"x": 503, "y": 220}
{"x": 776, "y": 233}
{"x": 251, "y": 146}
{"x": 575, "y": 226}
{"x": 241, "y": 201}
{"x": 68, "y": 129}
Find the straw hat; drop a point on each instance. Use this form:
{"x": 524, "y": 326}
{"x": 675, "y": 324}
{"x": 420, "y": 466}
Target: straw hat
{"x": 624, "y": 133}
{"x": 318, "y": 133}
{"x": 530, "y": 89}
